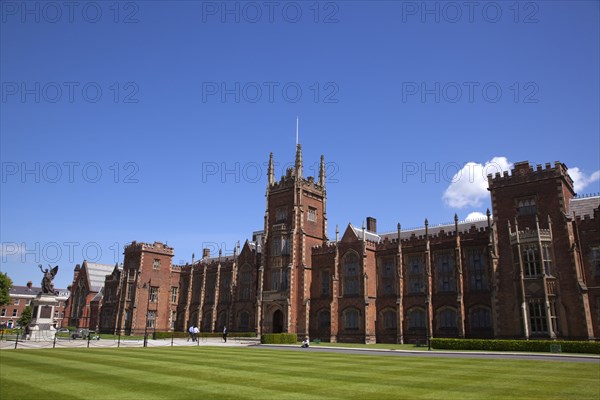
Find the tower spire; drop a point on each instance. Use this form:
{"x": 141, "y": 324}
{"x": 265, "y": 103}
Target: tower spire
{"x": 297, "y": 131}
{"x": 298, "y": 164}
{"x": 322, "y": 171}
{"x": 270, "y": 171}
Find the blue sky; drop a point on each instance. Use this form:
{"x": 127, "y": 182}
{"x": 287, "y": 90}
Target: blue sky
{"x": 153, "y": 121}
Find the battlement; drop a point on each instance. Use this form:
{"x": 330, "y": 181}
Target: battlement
{"x": 156, "y": 247}
{"x": 326, "y": 248}
{"x": 524, "y": 172}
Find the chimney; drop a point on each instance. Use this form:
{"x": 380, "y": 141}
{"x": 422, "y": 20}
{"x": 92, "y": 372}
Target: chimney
{"x": 372, "y": 224}
{"x": 29, "y": 284}
{"x": 205, "y": 253}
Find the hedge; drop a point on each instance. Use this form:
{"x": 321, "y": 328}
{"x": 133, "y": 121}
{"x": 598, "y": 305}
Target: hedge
{"x": 566, "y": 346}
{"x": 168, "y": 335}
{"x": 279, "y": 338}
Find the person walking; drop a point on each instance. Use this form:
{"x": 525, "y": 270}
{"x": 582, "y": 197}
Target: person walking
{"x": 191, "y": 332}
{"x": 225, "y": 334}
{"x": 305, "y": 343}
{"x": 196, "y": 332}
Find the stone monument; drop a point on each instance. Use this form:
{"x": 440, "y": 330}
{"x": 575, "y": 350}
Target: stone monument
{"x": 42, "y": 318}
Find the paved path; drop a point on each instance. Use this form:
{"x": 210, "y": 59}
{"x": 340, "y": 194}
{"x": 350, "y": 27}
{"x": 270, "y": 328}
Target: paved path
{"x": 445, "y": 354}
{"x": 245, "y": 342}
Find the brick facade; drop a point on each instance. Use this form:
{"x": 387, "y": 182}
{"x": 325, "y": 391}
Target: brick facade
{"x": 530, "y": 269}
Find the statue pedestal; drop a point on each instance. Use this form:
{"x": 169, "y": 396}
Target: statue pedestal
{"x": 42, "y": 321}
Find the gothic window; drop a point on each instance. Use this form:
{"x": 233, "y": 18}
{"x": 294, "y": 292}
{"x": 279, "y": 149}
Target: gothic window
{"x": 245, "y": 283}
{"x": 173, "y": 294}
{"x": 225, "y": 289}
{"x": 325, "y": 282}
{"x": 387, "y": 276}
{"x": 547, "y": 255}
{"x": 477, "y": 270}
{"x": 130, "y": 291}
{"x": 447, "y": 318}
{"x": 526, "y": 206}
{"x": 389, "y": 319}
{"x": 156, "y": 263}
{"x": 537, "y": 317}
{"x": 154, "y": 294}
{"x": 280, "y": 215}
{"x": 209, "y": 294}
{"x": 244, "y": 321}
{"x": 480, "y": 318}
{"x": 351, "y": 319}
{"x": 276, "y": 247}
{"x": 445, "y": 272}
{"x": 531, "y": 261}
{"x": 173, "y": 319}
{"x": 351, "y": 278}
{"x": 415, "y": 274}
{"x": 324, "y": 320}
{"x": 276, "y": 279}
{"x": 416, "y": 318}
{"x": 595, "y": 256}
{"x": 207, "y": 321}
{"x": 312, "y": 214}
{"x": 151, "y": 321}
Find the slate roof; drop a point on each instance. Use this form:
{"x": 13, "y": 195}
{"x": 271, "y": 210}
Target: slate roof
{"x": 433, "y": 230}
{"x": 96, "y": 274}
{"x": 584, "y": 205}
{"x": 25, "y": 291}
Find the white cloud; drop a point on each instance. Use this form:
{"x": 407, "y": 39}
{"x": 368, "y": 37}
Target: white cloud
{"x": 581, "y": 180}
{"x": 475, "y": 215}
{"x": 469, "y": 185}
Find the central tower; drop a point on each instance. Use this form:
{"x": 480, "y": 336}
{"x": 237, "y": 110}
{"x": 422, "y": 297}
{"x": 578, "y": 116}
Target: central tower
{"x": 295, "y": 221}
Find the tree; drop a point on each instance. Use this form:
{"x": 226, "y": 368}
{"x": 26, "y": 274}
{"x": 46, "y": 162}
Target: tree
{"x": 25, "y": 318}
{"x": 5, "y": 285}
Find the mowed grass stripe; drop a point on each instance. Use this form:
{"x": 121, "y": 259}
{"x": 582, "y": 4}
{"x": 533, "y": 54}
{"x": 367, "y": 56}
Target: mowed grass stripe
{"x": 144, "y": 380}
{"x": 259, "y": 373}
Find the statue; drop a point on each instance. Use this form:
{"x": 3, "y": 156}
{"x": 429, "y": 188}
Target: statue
{"x": 49, "y": 274}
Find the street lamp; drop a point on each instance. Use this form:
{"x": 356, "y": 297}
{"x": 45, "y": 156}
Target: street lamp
{"x": 149, "y": 286}
{"x": 427, "y": 300}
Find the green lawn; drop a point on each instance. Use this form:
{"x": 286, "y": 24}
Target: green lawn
{"x": 252, "y": 373}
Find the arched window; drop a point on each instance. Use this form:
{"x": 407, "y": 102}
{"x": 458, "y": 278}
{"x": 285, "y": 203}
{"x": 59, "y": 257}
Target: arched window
{"x": 351, "y": 275}
{"x": 245, "y": 283}
{"x": 416, "y": 279}
{"x": 207, "y": 321}
{"x": 477, "y": 272}
{"x": 324, "y": 320}
{"x": 416, "y": 318}
{"x": 444, "y": 271}
{"x": 389, "y": 319}
{"x": 446, "y": 318}
{"x": 244, "y": 325}
{"x": 351, "y": 318}
{"x": 387, "y": 277}
{"x": 480, "y": 318}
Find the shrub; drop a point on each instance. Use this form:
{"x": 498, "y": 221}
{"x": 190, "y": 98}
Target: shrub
{"x": 279, "y": 338}
{"x": 167, "y": 335}
{"x": 516, "y": 345}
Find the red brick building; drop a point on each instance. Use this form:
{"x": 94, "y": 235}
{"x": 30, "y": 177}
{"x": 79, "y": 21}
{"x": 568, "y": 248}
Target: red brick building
{"x": 21, "y": 296}
{"x": 530, "y": 269}
{"x": 83, "y": 305}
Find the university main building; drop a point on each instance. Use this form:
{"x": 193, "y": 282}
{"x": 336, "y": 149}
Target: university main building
{"x": 530, "y": 271}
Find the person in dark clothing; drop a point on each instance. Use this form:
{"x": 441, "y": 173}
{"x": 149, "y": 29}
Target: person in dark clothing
{"x": 225, "y": 334}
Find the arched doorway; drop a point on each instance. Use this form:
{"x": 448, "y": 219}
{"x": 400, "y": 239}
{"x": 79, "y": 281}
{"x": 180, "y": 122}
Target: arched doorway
{"x": 277, "y": 321}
